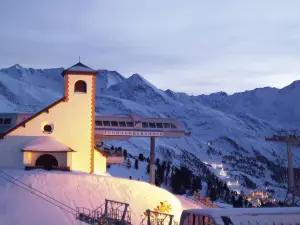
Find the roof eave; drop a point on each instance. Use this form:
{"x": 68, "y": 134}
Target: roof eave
{"x": 27, "y": 150}
{"x": 66, "y": 72}
{"x": 32, "y": 117}
{"x": 102, "y": 153}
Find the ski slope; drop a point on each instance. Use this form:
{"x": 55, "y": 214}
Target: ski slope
{"x": 75, "y": 189}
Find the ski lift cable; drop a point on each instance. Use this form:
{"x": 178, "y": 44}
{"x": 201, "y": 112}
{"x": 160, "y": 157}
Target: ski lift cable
{"x": 30, "y": 189}
{"x": 36, "y": 190}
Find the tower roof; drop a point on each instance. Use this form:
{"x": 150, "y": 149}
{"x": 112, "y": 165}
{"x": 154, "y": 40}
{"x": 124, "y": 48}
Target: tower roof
{"x": 79, "y": 68}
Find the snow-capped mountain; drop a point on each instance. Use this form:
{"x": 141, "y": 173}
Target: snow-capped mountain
{"x": 227, "y": 129}
{"x": 272, "y": 104}
{"x": 106, "y": 78}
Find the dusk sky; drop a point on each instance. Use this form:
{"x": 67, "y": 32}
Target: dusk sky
{"x": 187, "y": 46}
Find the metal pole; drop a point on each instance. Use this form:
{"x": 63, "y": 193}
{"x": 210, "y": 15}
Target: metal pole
{"x": 291, "y": 171}
{"x": 152, "y": 160}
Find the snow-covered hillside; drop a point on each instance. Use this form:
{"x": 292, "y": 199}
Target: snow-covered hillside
{"x": 18, "y": 206}
{"x": 225, "y": 129}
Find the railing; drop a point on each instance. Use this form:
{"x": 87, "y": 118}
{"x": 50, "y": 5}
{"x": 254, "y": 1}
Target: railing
{"x": 115, "y": 214}
{"x": 158, "y": 218}
{"x": 110, "y": 211}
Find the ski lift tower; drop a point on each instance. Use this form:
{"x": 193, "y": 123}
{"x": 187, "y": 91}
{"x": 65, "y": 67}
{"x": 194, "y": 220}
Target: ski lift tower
{"x": 291, "y": 139}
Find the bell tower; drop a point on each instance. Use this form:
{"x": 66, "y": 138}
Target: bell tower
{"x": 80, "y": 84}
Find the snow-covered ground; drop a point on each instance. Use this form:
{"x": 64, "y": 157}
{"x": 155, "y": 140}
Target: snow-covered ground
{"x": 123, "y": 172}
{"x": 74, "y": 189}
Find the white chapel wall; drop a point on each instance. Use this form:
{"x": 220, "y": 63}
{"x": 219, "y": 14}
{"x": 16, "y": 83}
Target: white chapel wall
{"x": 31, "y": 157}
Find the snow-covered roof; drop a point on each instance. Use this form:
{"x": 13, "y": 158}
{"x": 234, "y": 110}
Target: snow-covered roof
{"x": 243, "y": 211}
{"x": 46, "y": 144}
{"x": 79, "y": 67}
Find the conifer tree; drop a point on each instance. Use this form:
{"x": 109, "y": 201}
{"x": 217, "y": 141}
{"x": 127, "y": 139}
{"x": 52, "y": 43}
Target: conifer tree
{"x": 125, "y": 154}
{"x": 148, "y": 168}
{"x": 136, "y": 164}
{"x": 141, "y": 157}
{"x": 213, "y": 196}
{"x": 128, "y": 163}
{"x": 157, "y": 162}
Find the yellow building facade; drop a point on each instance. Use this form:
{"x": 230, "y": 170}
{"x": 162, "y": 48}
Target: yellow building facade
{"x": 64, "y": 131}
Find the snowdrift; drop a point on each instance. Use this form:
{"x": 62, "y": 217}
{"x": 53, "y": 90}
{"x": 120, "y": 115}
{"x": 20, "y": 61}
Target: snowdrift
{"x": 76, "y": 190}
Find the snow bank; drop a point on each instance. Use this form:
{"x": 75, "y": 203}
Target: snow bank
{"x": 76, "y": 190}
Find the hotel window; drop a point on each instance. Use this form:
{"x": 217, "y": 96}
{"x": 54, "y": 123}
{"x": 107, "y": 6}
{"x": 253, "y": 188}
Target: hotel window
{"x": 159, "y": 125}
{"x": 98, "y": 123}
{"x": 122, "y": 124}
{"x": 167, "y": 125}
{"x": 173, "y": 126}
{"x": 129, "y": 124}
{"x": 114, "y": 123}
{"x": 80, "y": 86}
{"x": 1, "y": 121}
{"x": 144, "y": 124}
{"x": 106, "y": 123}
{"x": 7, "y": 121}
{"x": 152, "y": 125}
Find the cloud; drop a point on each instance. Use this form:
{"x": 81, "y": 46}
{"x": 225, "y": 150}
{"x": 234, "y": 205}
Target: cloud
{"x": 199, "y": 47}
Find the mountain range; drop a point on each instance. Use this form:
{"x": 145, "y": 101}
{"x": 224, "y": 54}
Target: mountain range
{"x": 225, "y": 129}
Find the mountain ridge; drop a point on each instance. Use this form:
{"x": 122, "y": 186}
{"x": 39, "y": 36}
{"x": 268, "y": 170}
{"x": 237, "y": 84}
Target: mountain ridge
{"x": 234, "y": 125}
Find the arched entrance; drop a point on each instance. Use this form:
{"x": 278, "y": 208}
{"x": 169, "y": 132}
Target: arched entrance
{"x": 47, "y": 161}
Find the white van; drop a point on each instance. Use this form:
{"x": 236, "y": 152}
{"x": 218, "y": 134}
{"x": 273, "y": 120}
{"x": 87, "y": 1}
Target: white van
{"x": 241, "y": 216}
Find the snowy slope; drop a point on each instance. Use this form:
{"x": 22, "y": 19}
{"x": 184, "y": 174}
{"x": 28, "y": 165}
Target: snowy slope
{"x": 227, "y": 129}
{"x": 76, "y": 190}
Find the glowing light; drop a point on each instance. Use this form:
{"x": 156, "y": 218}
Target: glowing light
{"x": 223, "y": 173}
{"x": 257, "y": 195}
{"x": 205, "y": 163}
{"x": 232, "y": 184}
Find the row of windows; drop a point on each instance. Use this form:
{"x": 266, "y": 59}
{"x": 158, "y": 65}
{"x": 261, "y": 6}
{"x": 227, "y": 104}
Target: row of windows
{"x": 131, "y": 124}
{"x": 5, "y": 121}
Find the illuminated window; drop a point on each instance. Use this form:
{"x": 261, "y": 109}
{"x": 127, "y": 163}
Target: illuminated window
{"x": 144, "y": 124}
{"x": 106, "y": 123}
{"x": 114, "y": 123}
{"x": 152, "y": 125}
{"x": 122, "y": 124}
{"x": 129, "y": 124}
{"x": 159, "y": 125}
{"x": 7, "y": 121}
{"x": 80, "y": 86}
{"x": 98, "y": 123}
{"x": 167, "y": 125}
